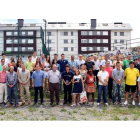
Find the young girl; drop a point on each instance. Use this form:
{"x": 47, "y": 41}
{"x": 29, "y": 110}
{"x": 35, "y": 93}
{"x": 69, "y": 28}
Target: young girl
{"x": 40, "y": 64}
{"x": 90, "y": 84}
{"x": 78, "y": 87}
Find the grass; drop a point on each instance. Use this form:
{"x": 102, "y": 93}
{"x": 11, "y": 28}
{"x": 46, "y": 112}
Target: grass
{"x": 53, "y": 118}
{"x": 136, "y": 117}
{"x": 41, "y": 111}
{"x": 69, "y": 113}
{"x": 15, "y": 112}
{"x": 32, "y": 109}
{"x": 74, "y": 111}
{"x": 116, "y": 118}
{"x": 125, "y": 119}
{"x": 63, "y": 110}
{"x": 2, "y": 113}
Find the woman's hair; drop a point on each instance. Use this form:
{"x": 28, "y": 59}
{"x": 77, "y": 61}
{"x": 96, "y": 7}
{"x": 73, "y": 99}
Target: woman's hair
{"x": 53, "y": 61}
{"x": 18, "y": 61}
{"x": 39, "y": 62}
{"x": 49, "y": 59}
{"x": 77, "y": 70}
{"x": 12, "y": 58}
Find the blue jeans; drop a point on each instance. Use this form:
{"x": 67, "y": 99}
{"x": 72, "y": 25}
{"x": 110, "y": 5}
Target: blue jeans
{"x": 60, "y": 82}
{"x": 104, "y": 89}
{"x": 14, "y": 89}
{"x": 119, "y": 89}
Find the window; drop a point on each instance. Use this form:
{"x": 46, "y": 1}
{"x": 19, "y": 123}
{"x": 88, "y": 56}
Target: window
{"x": 30, "y": 33}
{"x": 122, "y": 41}
{"x": 15, "y": 49}
{"x": 23, "y": 49}
{"x": 52, "y": 49}
{"x": 65, "y": 48}
{"x": 65, "y": 33}
{"x": 30, "y": 49}
{"x": 15, "y": 41}
{"x": 105, "y": 32}
{"x": 90, "y": 40}
{"x": 49, "y": 33}
{"x": 83, "y": 32}
{"x": 65, "y": 41}
{"x": 105, "y": 40}
{"x": 90, "y": 32}
{"x": 98, "y": 32}
{"x": 94, "y": 48}
{"x": 50, "y": 41}
{"x": 83, "y": 49}
{"x": 121, "y": 33}
{"x": 15, "y": 33}
{"x": 8, "y": 33}
{"x": 30, "y": 41}
{"x": 98, "y": 40}
{"x": 90, "y": 49}
{"x": 8, "y": 41}
{"x": 94, "y": 40}
{"x": 121, "y": 47}
{"x": 72, "y": 49}
{"x": 23, "y": 41}
{"x": 23, "y": 33}
{"x": 71, "y": 33}
{"x": 71, "y": 41}
{"x": 83, "y": 40}
{"x": 8, "y": 49}
{"x": 115, "y": 33}
{"x": 115, "y": 41}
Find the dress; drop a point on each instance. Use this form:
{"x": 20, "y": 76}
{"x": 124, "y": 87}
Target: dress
{"x": 46, "y": 65}
{"x": 77, "y": 86}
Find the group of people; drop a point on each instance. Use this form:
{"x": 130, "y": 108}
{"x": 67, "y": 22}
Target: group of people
{"x": 75, "y": 76}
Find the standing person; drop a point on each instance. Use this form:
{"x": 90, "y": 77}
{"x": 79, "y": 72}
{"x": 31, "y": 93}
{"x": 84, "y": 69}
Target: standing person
{"x": 14, "y": 65}
{"x": 62, "y": 62}
{"x": 2, "y": 64}
{"x": 30, "y": 67}
{"x": 24, "y": 80}
{"x": 55, "y": 58}
{"x": 118, "y": 77}
{"x": 117, "y": 60}
{"x": 3, "y": 85}
{"x": 127, "y": 61}
{"x": 34, "y": 57}
{"x": 18, "y": 62}
{"x": 67, "y": 77}
{"x": 97, "y": 67}
{"x": 38, "y": 82}
{"x": 103, "y": 62}
{"x": 54, "y": 77}
{"x": 10, "y": 63}
{"x": 78, "y": 87}
{"x": 89, "y": 64}
{"x": 5, "y": 59}
{"x": 38, "y": 63}
{"x": 131, "y": 77}
{"x": 43, "y": 59}
{"x": 19, "y": 68}
{"x": 47, "y": 67}
{"x": 11, "y": 80}
{"x": 57, "y": 65}
{"x": 80, "y": 61}
{"x": 72, "y": 64}
{"x": 103, "y": 85}
{"x": 110, "y": 81}
{"x": 90, "y": 84}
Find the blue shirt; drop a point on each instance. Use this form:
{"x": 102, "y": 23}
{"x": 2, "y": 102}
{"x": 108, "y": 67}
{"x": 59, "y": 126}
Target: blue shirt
{"x": 23, "y": 72}
{"x": 62, "y": 64}
{"x": 11, "y": 78}
{"x": 38, "y": 78}
{"x": 72, "y": 63}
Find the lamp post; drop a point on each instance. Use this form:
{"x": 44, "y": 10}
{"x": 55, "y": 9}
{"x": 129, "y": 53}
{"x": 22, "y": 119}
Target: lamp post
{"x": 45, "y": 29}
{"x": 48, "y": 43}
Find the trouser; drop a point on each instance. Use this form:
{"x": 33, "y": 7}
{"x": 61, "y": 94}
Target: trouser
{"x": 36, "y": 94}
{"x": 115, "y": 89}
{"x": 14, "y": 91}
{"x": 95, "y": 74}
{"x": 54, "y": 88}
{"x": 60, "y": 82}
{"x": 104, "y": 89}
{"x": 110, "y": 85}
{"x": 67, "y": 91}
{"x": 26, "y": 88}
{"x": 3, "y": 89}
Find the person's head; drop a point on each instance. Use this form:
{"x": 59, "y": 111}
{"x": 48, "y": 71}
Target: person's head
{"x": 2, "y": 61}
{"x": 131, "y": 64}
{"x": 117, "y": 58}
{"x": 82, "y": 66}
{"x": 90, "y": 71}
{"x": 23, "y": 67}
{"x": 54, "y": 61}
{"x": 103, "y": 67}
{"x": 4, "y": 68}
{"x": 95, "y": 57}
{"x": 77, "y": 72}
{"x": 67, "y": 67}
{"x": 72, "y": 57}
{"x": 3, "y": 55}
{"x": 139, "y": 59}
{"x": 92, "y": 57}
{"x": 11, "y": 68}
{"x": 106, "y": 57}
{"x": 129, "y": 57}
{"x": 34, "y": 53}
{"x": 136, "y": 61}
{"x": 20, "y": 63}
{"x": 80, "y": 57}
{"x": 89, "y": 58}
{"x": 12, "y": 58}
{"x": 30, "y": 58}
{"x": 118, "y": 65}
{"x": 62, "y": 56}
{"x": 42, "y": 56}
{"x": 54, "y": 67}
{"x": 38, "y": 60}
{"x": 55, "y": 56}
{"x": 107, "y": 64}
{"x": 37, "y": 67}
{"x": 13, "y": 63}
{"x": 48, "y": 58}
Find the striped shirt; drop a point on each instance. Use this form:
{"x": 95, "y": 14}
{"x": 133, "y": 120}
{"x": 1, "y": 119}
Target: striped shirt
{"x": 3, "y": 76}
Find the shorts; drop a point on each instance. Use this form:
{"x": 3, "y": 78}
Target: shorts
{"x": 128, "y": 87}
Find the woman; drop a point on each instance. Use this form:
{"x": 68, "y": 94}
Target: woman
{"x": 18, "y": 61}
{"x": 46, "y": 69}
{"x": 55, "y": 62}
{"x": 19, "y": 68}
{"x": 78, "y": 87}
{"x": 40, "y": 64}
{"x": 10, "y": 63}
{"x": 90, "y": 84}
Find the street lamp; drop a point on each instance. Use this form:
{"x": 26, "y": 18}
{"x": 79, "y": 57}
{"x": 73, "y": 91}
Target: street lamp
{"x": 45, "y": 29}
{"x": 48, "y": 43}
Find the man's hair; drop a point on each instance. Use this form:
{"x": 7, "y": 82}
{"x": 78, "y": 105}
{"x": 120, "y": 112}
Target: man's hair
{"x": 2, "y": 59}
{"x": 29, "y": 56}
{"x": 108, "y": 62}
{"x": 131, "y": 62}
{"x": 11, "y": 67}
{"x": 55, "y": 54}
{"x": 34, "y": 51}
{"x": 4, "y": 66}
{"x": 117, "y": 63}
{"x": 13, "y": 61}
{"x": 62, "y": 54}
{"x": 3, "y": 54}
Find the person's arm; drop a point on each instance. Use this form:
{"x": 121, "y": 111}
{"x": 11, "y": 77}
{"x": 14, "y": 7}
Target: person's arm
{"x": 7, "y": 80}
{"x": 82, "y": 83}
{"x": 138, "y": 85}
{"x": 28, "y": 77}
{"x": 99, "y": 78}
{"x": 19, "y": 78}
{"x": 114, "y": 77}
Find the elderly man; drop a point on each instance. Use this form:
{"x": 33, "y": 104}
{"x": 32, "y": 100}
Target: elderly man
{"x": 38, "y": 82}
{"x": 42, "y": 59}
{"x": 11, "y": 80}
{"x": 72, "y": 64}
{"x": 54, "y": 77}
{"x": 24, "y": 80}
{"x": 3, "y": 85}
{"x": 80, "y": 61}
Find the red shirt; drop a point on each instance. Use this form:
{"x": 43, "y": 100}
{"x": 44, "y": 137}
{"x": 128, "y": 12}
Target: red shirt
{"x": 109, "y": 70}
{"x": 90, "y": 79}
{"x": 3, "y": 76}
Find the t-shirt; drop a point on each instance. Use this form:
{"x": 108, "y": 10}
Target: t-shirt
{"x": 80, "y": 62}
{"x": 109, "y": 70}
{"x": 126, "y": 63}
{"x": 103, "y": 75}
{"x": 97, "y": 64}
{"x": 121, "y": 64}
{"x": 62, "y": 64}
{"x": 15, "y": 69}
{"x": 131, "y": 76}
{"x": 137, "y": 67}
{"x": 67, "y": 76}
{"x": 89, "y": 65}
{"x": 29, "y": 65}
{"x": 34, "y": 59}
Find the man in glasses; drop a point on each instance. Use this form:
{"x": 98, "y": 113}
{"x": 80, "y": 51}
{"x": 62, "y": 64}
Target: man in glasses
{"x": 118, "y": 77}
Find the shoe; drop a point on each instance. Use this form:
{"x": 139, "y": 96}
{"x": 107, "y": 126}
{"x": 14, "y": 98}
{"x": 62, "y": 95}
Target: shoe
{"x": 138, "y": 104}
{"x": 133, "y": 102}
{"x": 34, "y": 104}
{"x": 57, "y": 103}
{"x": 5, "y": 103}
{"x": 98, "y": 104}
{"x": 115, "y": 103}
{"x": 125, "y": 103}
{"x": 64, "y": 103}
{"x": 119, "y": 103}
{"x": 10, "y": 105}
{"x": 51, "y": 103}
{"x": 23, "y": 103}
{"x": 16, "y": 105}
{"x": 106, "y": 104}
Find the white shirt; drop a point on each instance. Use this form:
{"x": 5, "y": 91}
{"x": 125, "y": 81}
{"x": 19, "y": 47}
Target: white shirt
{"x": 103, "y": 76}
{"x": 103, "y": 62}
{"x": 6, "y": 62}
{"x": 97, "y": 64}
{"x": 34, "y": 59}
{"x": 80, "y": 62}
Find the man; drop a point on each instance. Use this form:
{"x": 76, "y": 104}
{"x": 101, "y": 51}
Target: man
{"x": 30, "y": 67}
{"x": 2, "y": 64}
{"x": 34, "y": 57}
{"x": 80, "y": 61}
{"x": 103, "y": 85}
{"x": 54, "y": 77}
{"x": 97, "y": 67}
{"x": 62, "y": 62}
{"x": 103, "y": 62}
{"x": 5, "y": 59}
{"x": 11, "y": 80}
{"x": 130, "y": 83}
{"x": 139, "y": 60}
{"x": 3, "y": 85}
{"x": 118, "y": 77}
{"x": 24, "y": 80}
{"x": 67, "y": 83}
{"x": 137, "y": 65}
{"x": 42, "y": 58}
{"x": 72, "y": 64}
{"x": 38, "y": 82}
{"x": 89, "y": 64}
{"x": 110, "y": 81}
{"x": 117, "y": 60}
{"x": 127, "y": 61}
{"x": 14, "y": 65}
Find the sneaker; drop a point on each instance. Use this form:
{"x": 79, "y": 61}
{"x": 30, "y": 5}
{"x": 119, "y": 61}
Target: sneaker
{"x": 64, "y": 103}
{"x": 133, "y": 102}
{"x": 115, "y": 103}
{"x": 139, "y": 104}
{"x": 125, "y": 103}
{"x": 98, "y": 103}
{"x": 106, "y": 104}
{"x": 119, "y": 103}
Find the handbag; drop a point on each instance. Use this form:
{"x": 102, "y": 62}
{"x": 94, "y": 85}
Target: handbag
{"x": 83, "y": 97}
{"x": 91, "y": 89}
